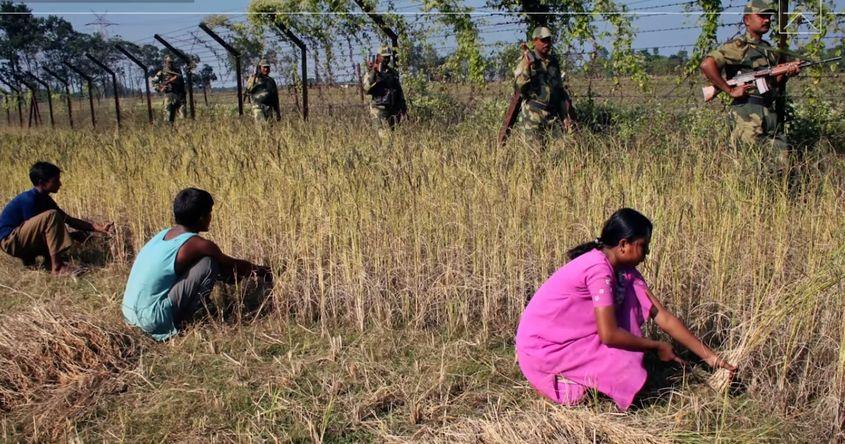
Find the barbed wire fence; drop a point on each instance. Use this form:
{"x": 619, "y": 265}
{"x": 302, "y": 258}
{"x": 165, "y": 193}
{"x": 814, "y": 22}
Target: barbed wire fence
{"x": 335, "y": 70}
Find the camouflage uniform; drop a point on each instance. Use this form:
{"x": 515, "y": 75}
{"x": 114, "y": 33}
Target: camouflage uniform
{"x": 174, "y": 92}
{"x": 387, "y": 100}
{"x": 753, "y": 119}
{"x": 264, "y": 96}
{"x": 541, "y": 87}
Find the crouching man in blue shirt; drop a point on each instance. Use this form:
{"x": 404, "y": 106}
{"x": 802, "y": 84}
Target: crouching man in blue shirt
{"x": 175, "y": 271}
{"x": 32, "y": 225}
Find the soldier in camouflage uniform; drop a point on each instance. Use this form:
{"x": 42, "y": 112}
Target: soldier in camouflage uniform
{"x": 753, "y": 117}
{"x": 170, "y": 82}
{"x": 387, "y": 100}
{"x": 263, "y": 94}
{"x": 545, "y": 103}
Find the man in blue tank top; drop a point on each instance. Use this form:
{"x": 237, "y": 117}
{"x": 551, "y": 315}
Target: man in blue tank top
{"x": 32, "y": 225}
{"x": 175, "y": 271}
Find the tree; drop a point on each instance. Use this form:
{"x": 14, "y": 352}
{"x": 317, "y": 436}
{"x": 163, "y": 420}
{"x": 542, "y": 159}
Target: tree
{"x": 502, "y": 62}
{"x": 422, "y": 58}
{"x": 206, "y": 76}
{"x": 21, "y": 35}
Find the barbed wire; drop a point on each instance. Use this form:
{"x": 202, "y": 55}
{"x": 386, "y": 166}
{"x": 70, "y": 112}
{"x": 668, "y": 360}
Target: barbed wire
{"x": 667, "y": 5}
{"x": 681, "y": 28}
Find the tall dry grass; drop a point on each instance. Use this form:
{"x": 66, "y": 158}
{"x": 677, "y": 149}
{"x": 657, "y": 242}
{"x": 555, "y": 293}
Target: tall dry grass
{"x": 438, "y": 229}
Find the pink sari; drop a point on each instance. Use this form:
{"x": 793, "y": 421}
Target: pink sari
{"x": 557, "y": 340}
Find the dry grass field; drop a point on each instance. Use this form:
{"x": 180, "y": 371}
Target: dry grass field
{"x": 402, "y": 267}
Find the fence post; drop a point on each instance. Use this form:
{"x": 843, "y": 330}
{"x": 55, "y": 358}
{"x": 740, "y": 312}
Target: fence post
{"x": 114, "y": 85}
{"x": 90, "y": 82}
{"x": 187, "y": 62}
{"x": 303, "y": 62}
{"x": 33, "y": 101}
{"x": 145, "y": 68}
{"x": 237, "y": 55}
{"x": 780, "y": 102}
{"x": 64, "y": 82}
{"x": 379, "y": 21}
{"x": 18, "y": 99}
{"x": 6, "y": 106}
{"x": 49, "y": 96}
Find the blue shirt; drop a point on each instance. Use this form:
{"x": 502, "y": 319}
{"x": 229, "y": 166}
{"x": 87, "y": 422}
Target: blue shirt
{"x": 145, "y": 302}
{"x": 24, "y": 206}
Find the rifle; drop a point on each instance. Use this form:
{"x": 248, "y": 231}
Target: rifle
{"x": 760, "y": 77}
{"x": 163, "y": 85}
{"x": 515, "y": 103}
{"x": 249, "y": 84}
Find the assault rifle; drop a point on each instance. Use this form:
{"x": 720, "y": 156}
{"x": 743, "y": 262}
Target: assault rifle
{"x": 515, "y": 103}
{"x": 760, "y": 77}
{"x": 250, "y": 82}
{"x": 162, "y": 86}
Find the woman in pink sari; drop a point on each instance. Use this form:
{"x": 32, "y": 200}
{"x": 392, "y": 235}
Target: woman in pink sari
{"x": 581, "y": 330}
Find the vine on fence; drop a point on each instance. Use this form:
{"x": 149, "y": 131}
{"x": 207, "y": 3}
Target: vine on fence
{"x": 321, "y": 23}
{"x": 818, "y": 17}
{"x": 466, "y": 34}
{"x": 574, "y": 23}
{"x": 709, "y": 22}
{"x": 623, "y": 60}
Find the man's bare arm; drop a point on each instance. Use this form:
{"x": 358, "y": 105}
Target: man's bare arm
{"x": 84, "y": 225}
{"x": 714, "y": 75}
{"x": 197, "y": 247}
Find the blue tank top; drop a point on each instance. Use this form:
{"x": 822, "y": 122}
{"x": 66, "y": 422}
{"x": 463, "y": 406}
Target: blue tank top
{"x": 145, "y": 301}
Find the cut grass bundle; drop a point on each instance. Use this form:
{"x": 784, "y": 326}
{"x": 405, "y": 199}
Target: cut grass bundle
{"x": 788, "y": 305}
{"x": 55, "y": 366}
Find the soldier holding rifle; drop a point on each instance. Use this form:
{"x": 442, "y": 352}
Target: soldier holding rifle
{"x": 753, "y": 116}
{"x": 545, "y": 103}
{"x": 169, "y": 81}
{"x": 387, "y": 100}
{"x": 263, "y": 93}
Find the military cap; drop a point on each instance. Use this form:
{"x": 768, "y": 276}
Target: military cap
{"x": 385, "y": 51}
{"x": 541, "y": 32}
{"x": 759, "y": 7}
{"x": 264, "y": 62}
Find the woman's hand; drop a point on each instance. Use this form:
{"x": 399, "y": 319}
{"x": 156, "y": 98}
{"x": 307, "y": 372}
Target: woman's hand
{"x": 716, "y": 362}
{"x": 666, "y": 353}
